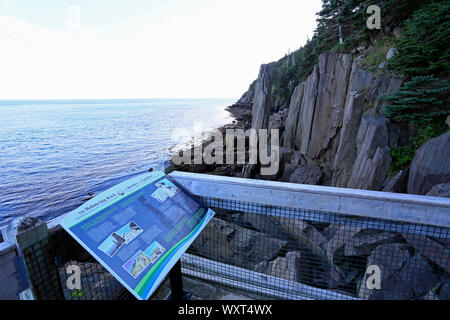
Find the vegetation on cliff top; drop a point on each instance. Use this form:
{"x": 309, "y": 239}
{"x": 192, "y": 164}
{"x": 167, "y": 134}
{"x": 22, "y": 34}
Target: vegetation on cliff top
{"x": 423, "y": 60}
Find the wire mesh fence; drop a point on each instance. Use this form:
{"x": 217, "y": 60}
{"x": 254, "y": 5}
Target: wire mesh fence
{"x": 320, "y": 255}
{"x": 273, "y": 252}
{"x": 63, "y": 254}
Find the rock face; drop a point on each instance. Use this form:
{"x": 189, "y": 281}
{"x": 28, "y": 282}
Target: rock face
{"x": 335, "y": 121}
{"x": 293, "y": 116}
{"x": 426, "y": 171}
{"x": 262, "y": 101}
{"x": 303, "y": 129}
{"x": 373, "y": 158}
{"x": 334, "y": 70}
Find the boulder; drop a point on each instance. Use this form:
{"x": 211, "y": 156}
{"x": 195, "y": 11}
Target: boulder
{"x": 261, "y": 223}
{"x": 431, "y": 249}
{"x": 373, "y": 157}
{"x": 229, "y": 243}
{"x": 306, "y": 175}
{"x": 390, "y": 258}
{"x": 391, "y": 53}
{"x": 397, "y": 183}
{"x": 365, "y": 242}
{"x": 440, "y": 190}
{"x": 425, "y": 171}
{"x": 418, "y": 274}
{"x": 444, "y": 291}
{"x": 287, "y": 267}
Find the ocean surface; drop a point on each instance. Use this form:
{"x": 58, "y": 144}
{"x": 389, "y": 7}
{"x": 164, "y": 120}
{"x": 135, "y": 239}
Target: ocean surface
{"x": 53, "y": 153}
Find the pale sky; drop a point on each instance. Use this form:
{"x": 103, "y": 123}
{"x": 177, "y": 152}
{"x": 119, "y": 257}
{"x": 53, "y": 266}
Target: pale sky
{"x": 112, "y": 49}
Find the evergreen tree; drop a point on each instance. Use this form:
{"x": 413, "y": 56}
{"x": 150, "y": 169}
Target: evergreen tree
{"x": 425, "y": 44}
{"x": 424, "y": 98}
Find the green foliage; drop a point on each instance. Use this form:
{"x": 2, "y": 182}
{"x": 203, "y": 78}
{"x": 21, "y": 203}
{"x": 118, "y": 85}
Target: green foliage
{"x": 377, "y": 54}
{"x": 425, "y": 43}
{"x": 423, "y": 98}
{"x": 403, "y": 156}
{"x": 293, "y": 69}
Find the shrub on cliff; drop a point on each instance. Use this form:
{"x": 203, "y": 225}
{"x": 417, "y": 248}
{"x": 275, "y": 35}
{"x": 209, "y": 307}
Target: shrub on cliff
{"x": 425, "y": 103}
{"x": 423, "y": 98}
{"x": 425, "y": 43}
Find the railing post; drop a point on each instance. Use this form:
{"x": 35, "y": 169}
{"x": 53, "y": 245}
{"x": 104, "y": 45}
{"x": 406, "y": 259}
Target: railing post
{"x": 12, "y": 277}
{"x": 31, "y": 238}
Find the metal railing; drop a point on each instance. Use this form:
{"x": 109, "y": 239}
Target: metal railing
{"x": 284, "y": 241}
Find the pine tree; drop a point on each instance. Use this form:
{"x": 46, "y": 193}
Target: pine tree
{"x": 424, "y": 98}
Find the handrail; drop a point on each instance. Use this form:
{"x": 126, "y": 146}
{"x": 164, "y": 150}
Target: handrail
{"x": 425, "y": 210}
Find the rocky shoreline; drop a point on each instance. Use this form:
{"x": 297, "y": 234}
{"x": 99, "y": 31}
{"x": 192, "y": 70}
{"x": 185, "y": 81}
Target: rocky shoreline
{"x": 242, "y": 120}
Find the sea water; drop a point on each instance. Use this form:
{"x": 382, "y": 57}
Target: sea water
{"x": 54, "y": 153}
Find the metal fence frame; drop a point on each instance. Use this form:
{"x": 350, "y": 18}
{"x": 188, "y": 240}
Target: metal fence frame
{"x": 304, "y": 202}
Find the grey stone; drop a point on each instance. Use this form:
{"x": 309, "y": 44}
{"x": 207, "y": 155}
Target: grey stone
{"x": 262, "y": 223}
{"x": 293, "y": 116}
{"x": 306, "y": 175}
{"x": 373, "y": 158}
{"x": 392, "y": 52}
{"x": 228, "y": 243}
{"x": 334, "y": 71}
{"x": 444, "y": 291}
{"x": 426, "y": 171}
{"x": 390, "y": 258}
{"x": 431, "y": 249}
{"x": 440, "y": 190}
{"x": 382, "y": 65}
{"x": 263, "y": 97}
{"x": 361, "y": 49}
{"x": 398, "y": 182}
{"x": 287, "y": 267}
{"x": 303, "y": 132}
{"x": 365, "y": 243}
{"x": 418, "y": 273}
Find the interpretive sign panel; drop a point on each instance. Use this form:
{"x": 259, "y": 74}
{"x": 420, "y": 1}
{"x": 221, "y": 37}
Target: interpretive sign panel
{"x": 139, "y": 229}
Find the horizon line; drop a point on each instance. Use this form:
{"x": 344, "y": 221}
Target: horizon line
{"x": 114, "y": 99}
